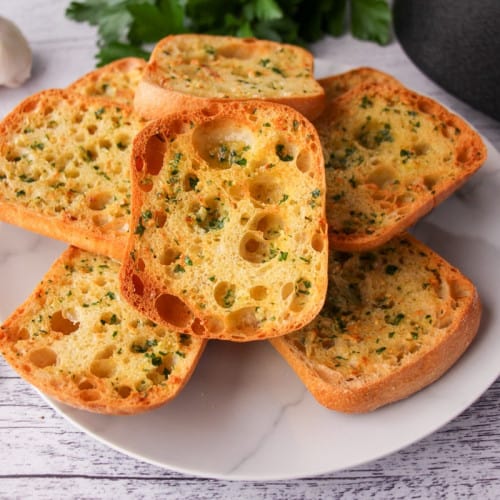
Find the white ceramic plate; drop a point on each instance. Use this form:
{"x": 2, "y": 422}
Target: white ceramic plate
{"x": 245, "y": 415}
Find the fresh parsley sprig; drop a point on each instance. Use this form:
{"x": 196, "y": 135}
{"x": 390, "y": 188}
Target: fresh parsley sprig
{"x": 126, "y": 27}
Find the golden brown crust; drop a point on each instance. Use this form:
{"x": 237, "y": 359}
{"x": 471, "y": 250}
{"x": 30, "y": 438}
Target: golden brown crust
{"x": 228, "y": 223}
{"x": 64, "y": 169}
{"x": 391, "y": 155}
{"x": 181, "y": 74}
{"x": 116, "y": 81}
{"x": 78, "y": 342}
{"x": 372, "y": 384}
{"x": 339, "y": 84}
{"x": 153, "y": 102}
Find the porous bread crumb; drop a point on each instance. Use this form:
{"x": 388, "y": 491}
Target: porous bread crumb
{"x": 116, "y": 81}
{"x": 391, "y": 155}
{"x": 187, "y": 71}
{"x": 394, "y": 320}
{"x": 78, "y": 341}
{"x": 228, "y": 230}
{"x": 64, "y": 169}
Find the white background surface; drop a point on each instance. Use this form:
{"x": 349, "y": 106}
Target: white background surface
{"x": 43, "y": 456}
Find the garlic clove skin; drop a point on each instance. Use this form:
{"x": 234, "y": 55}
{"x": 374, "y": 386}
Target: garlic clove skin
{"x": 15, "y": 55}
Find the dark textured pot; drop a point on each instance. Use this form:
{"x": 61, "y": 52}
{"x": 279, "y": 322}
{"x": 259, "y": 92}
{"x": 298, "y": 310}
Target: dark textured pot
{"x": 457, "y": 44}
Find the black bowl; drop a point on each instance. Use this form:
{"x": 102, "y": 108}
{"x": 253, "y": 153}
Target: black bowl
{"x": 456, "y": 43}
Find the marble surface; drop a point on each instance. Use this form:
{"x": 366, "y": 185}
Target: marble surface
{"x": 46, "y": 456}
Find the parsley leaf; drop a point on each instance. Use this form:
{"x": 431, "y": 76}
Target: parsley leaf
{"x": 115, "y": 50}
{"x": 371, "y": 20}
{"x": 126, "y": 27}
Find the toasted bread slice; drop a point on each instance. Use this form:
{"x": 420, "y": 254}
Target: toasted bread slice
{"x": 228, "y": 233}
{"x": 64, "y": 169}
{"x": 339, "y": 84}
{"x": 391, "y": 155}
{"x": 116, "y": 81}
{"x": 190, "y": 71}
{"x": 395, "y": 319}
{"x": 77, "y": 341}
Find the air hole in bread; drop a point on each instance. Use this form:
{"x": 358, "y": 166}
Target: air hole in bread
{"x": 318, "y": 242}
{"x": 146, "y": 184}
{"x": 298, "y": 303}
{"x": 154, "y": 153}
{"x": 457, "y": 290}
{"x": 210, "y": 216}
{"x": 173, "y": 310}
{"x": 285, "y": 151}
{"x": 243, "y": 320}
{"x": 238, "y": 192}
{"x": 91, "y": 129}
{"x": 71, "y": 173}
{"x": 198, "y": 328}
{"x": 156, "y": 376}
{"x": 210, "y": 110}
{"x": 236, "y": 51}
{"x": 265, "y": 190}
{"x": 169, "y": 256}
{"x": 404, "y": 199}
{"x": 444, "y": 319}
{"x": 421, "y": 149}
{"x": 382, "y": 176}
{"x": 430, "y": 181}
{"x": 43, "y": 357}
{"x": 258, "y": 292}
{"x": 177, "y": 127}
{"x": 253, "y": 248}
{"x": 137, "y": 285}
{"x": 287, "y": 290}
{"x": 90, "y": 395}
{"x": 463, "y": 154}
{"x": 302, "y": 293}
{"x": 103, "y": 368}
{"x": 105, "y": 143}
{"x": 304, "y": 160}
{"x": 85, "y": 384}
{"x": 449, "y": 130}
{"x": 101, "y": 219}
{"x": 99, "y": 201}
{"x": 214, "y": 325}
{"x": 22, "y": 334}
{"x": 30, "y": 106}
{"x": 225, "y": 294}
{"x": 139, "y": 163}
{"x": 122, "y": 141}
{"x": 190, "y": 182}
{"x": 48, "y": 110}
{"x": 244, "y": 219}
{"x": 160, "y": 218}
{"x": 425, "y": 106}
{"x": 59, "y": 323}
{"x": 110, "y": 318}
{"x": 124, "y": 391}
{"x": 100, "y": 281}
{"x": 89, "y": 154}
{"x": 223, "y": 143}
{"x": 269, "y": 224}
{"x": 162, "y": 371}
{"x": 105, "y": 353}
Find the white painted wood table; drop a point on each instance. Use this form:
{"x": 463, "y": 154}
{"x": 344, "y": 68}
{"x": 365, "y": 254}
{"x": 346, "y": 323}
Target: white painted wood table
{"x": 42, "y": 455}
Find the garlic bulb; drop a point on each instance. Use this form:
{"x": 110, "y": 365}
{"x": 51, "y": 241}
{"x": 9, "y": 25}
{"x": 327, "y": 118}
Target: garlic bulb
{"x": 15, "y": 55}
